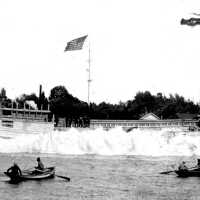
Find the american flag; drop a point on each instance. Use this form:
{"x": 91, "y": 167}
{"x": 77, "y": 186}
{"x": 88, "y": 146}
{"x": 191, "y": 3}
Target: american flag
{"x": 75, "y": 44}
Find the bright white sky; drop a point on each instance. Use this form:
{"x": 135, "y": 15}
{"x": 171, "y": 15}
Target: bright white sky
{"x": 135, "y": 46}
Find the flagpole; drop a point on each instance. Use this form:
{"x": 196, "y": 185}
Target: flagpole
{"x": 89, "y": 79}
{"x": 77, "y": 44}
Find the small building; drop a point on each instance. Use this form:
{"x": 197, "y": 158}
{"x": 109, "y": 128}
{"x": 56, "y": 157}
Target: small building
{"x": 150, "y": 116}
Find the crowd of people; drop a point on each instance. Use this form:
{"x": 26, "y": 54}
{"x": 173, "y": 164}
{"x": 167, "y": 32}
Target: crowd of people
{"x": 82, "y": 122}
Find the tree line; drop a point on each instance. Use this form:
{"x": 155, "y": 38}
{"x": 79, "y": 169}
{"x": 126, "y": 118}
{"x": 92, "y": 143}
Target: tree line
{"x": 64, "y": 105}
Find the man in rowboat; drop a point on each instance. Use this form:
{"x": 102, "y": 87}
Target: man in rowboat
{"x": 182, "y": 167}
{"x": 198, "y": 163}
{"x": 197, "y": 167}
{"x": 14, "y": 170}
{"x": 40, "y": 164}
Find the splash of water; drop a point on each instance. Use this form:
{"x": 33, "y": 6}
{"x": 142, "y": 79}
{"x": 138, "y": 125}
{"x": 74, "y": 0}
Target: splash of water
{"x": 113, "y": 142}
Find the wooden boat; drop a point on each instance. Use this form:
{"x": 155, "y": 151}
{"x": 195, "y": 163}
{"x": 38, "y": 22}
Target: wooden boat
{"x": 32, "y": 175}
{"x": 188, "y": 173}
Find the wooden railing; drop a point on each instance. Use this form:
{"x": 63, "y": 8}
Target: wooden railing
{"x": 144, "y": 123}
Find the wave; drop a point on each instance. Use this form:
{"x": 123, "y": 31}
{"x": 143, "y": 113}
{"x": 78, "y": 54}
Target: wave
{"x": 165, "y": 142}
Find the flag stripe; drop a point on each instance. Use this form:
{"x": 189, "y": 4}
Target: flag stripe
{"x": 76, "y": 44}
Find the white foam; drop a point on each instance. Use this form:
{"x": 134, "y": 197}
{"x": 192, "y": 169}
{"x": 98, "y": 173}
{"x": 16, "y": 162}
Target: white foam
{"x": 113, "y": 142}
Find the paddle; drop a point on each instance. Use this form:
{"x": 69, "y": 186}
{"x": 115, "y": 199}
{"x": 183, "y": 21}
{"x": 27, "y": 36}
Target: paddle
{"x": 167, "y": 172}
{"x": 64, "y": 177}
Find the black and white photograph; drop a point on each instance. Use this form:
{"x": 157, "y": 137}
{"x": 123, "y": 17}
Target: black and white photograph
{"x": 100, "y": 100}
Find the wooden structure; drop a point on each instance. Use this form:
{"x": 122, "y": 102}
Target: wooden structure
{"x": 26, "y": 120}
{"x": 149, "y": 120}
{"x": 25, "y": 114}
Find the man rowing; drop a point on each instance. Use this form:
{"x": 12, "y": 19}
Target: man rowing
{"x": 40, "y": 164}
{"x": 182, "y": 167}
{"x": 14, "y": 170}
{"x": 184, "y": 171}
{"x": 198, "y": 164}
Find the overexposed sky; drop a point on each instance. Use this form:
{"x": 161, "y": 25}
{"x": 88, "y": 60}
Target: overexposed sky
{"x": 135, "y": 46}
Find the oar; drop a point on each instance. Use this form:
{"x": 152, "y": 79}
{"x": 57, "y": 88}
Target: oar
{"x": 64, "y": 177}
{"x": 167, "y": 172}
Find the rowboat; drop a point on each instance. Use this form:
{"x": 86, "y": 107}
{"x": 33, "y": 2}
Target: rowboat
{"x": 188, "y": 173}
{"x": 32, "y": 175}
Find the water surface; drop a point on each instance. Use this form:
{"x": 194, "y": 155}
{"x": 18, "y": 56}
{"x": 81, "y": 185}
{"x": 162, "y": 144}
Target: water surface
{"x": 101, "y": 177}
